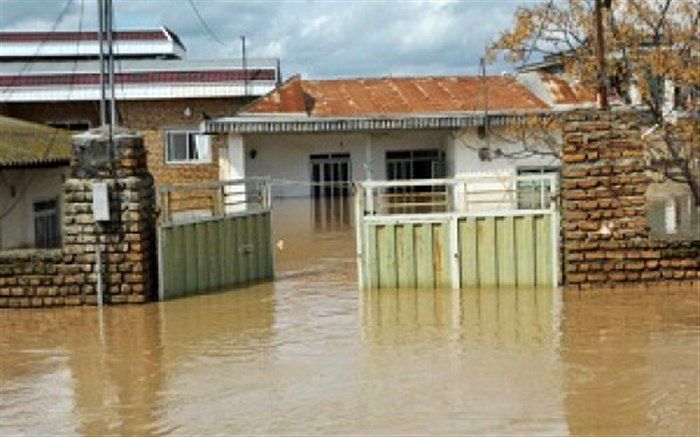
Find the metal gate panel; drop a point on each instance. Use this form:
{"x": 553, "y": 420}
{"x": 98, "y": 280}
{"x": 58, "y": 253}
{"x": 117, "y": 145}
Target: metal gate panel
{"x": 502, "y": 245}
{"x": 232, "y": 245}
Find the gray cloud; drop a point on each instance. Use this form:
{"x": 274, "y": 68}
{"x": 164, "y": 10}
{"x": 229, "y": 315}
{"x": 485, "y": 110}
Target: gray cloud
{"x": 319, "y": 39}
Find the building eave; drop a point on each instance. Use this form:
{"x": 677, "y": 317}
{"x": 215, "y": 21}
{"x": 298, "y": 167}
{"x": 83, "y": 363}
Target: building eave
{"x": 295, "y": 124}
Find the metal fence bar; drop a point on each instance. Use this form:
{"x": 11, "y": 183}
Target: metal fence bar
{"x": 390, "y": 206}
{"x": 218, "y": 198}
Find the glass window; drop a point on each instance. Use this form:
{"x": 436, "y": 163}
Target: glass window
{"x": 47, "y": 230}
{"x": 534, "y": 194}
{"x": 186, "y": 147}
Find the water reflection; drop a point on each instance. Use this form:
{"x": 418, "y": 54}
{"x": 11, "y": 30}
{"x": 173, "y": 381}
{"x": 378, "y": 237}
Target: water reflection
{"x": 332, "y": 212}
{"x": 309, "y": 354}
{"x": 632, "y": 361}
{"x": 73, "y": 371}
{"x": 498, "y": 317}
{"x": 470, "y": 361}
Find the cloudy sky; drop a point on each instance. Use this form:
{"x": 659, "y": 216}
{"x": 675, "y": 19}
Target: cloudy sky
{"x": 319, "y": 39}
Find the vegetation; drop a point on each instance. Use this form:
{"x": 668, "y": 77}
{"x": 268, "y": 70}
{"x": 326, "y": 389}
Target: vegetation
{"x": 652, "y": 47}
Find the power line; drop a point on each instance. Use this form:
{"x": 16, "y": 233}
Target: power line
{"x": 54, "y": 133}
{"x": 28, "y": 63}
{"x": 205, "y": 25}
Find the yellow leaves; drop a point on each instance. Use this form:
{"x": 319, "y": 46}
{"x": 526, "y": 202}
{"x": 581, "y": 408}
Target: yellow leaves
{"x": 645, "y": 40}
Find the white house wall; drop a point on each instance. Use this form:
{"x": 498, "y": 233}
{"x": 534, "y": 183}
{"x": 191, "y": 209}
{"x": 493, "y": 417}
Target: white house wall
{"x": 29, "y": 186}
{"x": 463, "y": 148}
{"x": 285, "y": 157}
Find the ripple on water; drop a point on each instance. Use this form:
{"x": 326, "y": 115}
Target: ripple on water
{"x": 309, "y": 354}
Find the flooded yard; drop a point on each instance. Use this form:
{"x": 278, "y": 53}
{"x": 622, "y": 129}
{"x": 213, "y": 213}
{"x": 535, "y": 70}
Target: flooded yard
{"x": 310, "y": 354}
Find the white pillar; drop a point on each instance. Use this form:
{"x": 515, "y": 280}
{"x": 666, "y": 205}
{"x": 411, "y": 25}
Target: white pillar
{"x": 458, "y": 154}
{"x": 369, "y": 168}
{"x": 236, "y": 170}
{"x": 236, "y": 156}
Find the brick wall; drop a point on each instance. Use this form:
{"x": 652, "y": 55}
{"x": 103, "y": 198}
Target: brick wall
{"x": 605, "y": 231}
{"x": 151, "y": 118}
{"x": 69, "y": 276}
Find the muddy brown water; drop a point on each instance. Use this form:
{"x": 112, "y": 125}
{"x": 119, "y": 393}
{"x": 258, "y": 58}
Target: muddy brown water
{"x": 309, "y": 354}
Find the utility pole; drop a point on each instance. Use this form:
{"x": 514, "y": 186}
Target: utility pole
{"x": 245, "y": 67}
{"x": 101, "y": 39}
{"x": 109, "y": 18}
{"x": 485, "y": 90}
{"x": 600, "y": 55}
{"x": 108, "y": 112}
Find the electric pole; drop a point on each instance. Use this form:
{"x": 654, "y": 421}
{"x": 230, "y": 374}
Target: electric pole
{"x": 244, "y": 62}
{"x": 600, "y": 55}
{"x": 108, "y": 112}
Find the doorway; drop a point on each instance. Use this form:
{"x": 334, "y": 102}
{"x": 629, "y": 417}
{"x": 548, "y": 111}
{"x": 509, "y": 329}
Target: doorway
{"x": 330, "y": 175}
{"x": 330, "y": 190}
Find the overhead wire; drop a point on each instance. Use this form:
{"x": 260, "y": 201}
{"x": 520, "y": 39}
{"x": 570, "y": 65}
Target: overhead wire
{"x": 54, "y": 133}
{"x": 29, "y": 62}
{"x": 204, "y": 24}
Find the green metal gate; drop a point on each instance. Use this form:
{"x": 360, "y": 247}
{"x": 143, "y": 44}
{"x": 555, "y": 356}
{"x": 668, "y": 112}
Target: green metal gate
{"x": 214, "y": 236}
{"x": 467, "y": 232}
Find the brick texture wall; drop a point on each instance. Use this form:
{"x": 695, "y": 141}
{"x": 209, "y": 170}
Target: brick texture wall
{"x": 151, "y": 118}
{"x": 606, "y": 233}
{"x": 69, "y": 276}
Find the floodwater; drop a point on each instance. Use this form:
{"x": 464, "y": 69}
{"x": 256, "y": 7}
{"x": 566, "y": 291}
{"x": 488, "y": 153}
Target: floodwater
{"x": 309, "y": 354}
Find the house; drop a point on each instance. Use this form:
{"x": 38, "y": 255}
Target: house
{"x": 53, "y": 79}
{"x": 321, "y": 133}
{"x": 33, "y": 165}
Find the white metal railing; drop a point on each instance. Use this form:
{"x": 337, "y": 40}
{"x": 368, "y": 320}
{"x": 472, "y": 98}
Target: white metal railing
{"x": 474, "y": 195}
{"x": 451, "y": 200}
{"x": 193, "y": 202}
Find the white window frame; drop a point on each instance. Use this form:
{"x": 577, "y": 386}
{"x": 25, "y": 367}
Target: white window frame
{"x": 202, "y": 146}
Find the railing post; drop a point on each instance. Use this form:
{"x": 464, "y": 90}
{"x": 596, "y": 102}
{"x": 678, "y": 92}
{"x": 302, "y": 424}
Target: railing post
{"x": 268, "y": 194}
{"x": 455, "y": 263}
{"x": 359, "y": 225}
{"x": 554, "y": 207}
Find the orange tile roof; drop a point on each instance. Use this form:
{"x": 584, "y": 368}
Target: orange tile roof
{"x": 395, "y": 96}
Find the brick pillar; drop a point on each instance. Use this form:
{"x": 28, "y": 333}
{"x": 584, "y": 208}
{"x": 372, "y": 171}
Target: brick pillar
{"x": 127, "y": 240}
{"x": 606, "y": 233}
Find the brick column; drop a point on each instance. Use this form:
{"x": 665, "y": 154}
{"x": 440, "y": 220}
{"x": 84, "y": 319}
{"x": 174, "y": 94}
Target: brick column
{"x": 127, "y": 240}
{"x": 606, "y": 233}
{"x": 68, "y": 276}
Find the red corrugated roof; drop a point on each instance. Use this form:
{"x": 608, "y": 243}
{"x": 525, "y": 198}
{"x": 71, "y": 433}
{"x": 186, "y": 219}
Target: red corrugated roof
{"x": 377, "y": 96}
{"x": 128, "y": 35}
{"x": 146, "y": 77}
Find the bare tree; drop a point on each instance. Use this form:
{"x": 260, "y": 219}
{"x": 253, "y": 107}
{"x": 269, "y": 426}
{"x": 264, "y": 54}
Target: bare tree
{"x": 651, "y": 46}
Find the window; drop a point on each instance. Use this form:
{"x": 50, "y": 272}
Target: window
{"x": 47, "y": 231}
{"x": 186, "y": 147}
{"x": 534, "y": 194}
{"x": 415, "y": 164}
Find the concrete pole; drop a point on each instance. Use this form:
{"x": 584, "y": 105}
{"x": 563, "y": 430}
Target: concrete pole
{"x": 101, "y": 39}
{"x": 600, "y": 56}
{"x": 109, "y": 19}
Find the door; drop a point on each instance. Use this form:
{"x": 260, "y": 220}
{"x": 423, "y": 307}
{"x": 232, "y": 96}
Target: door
{"x": 330, "y": 190}
{"x": 330, "y": 175}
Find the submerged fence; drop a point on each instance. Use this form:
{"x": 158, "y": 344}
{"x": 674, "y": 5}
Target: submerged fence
{"x": 214, "y": 235}
{"x": 441, "y": 233}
